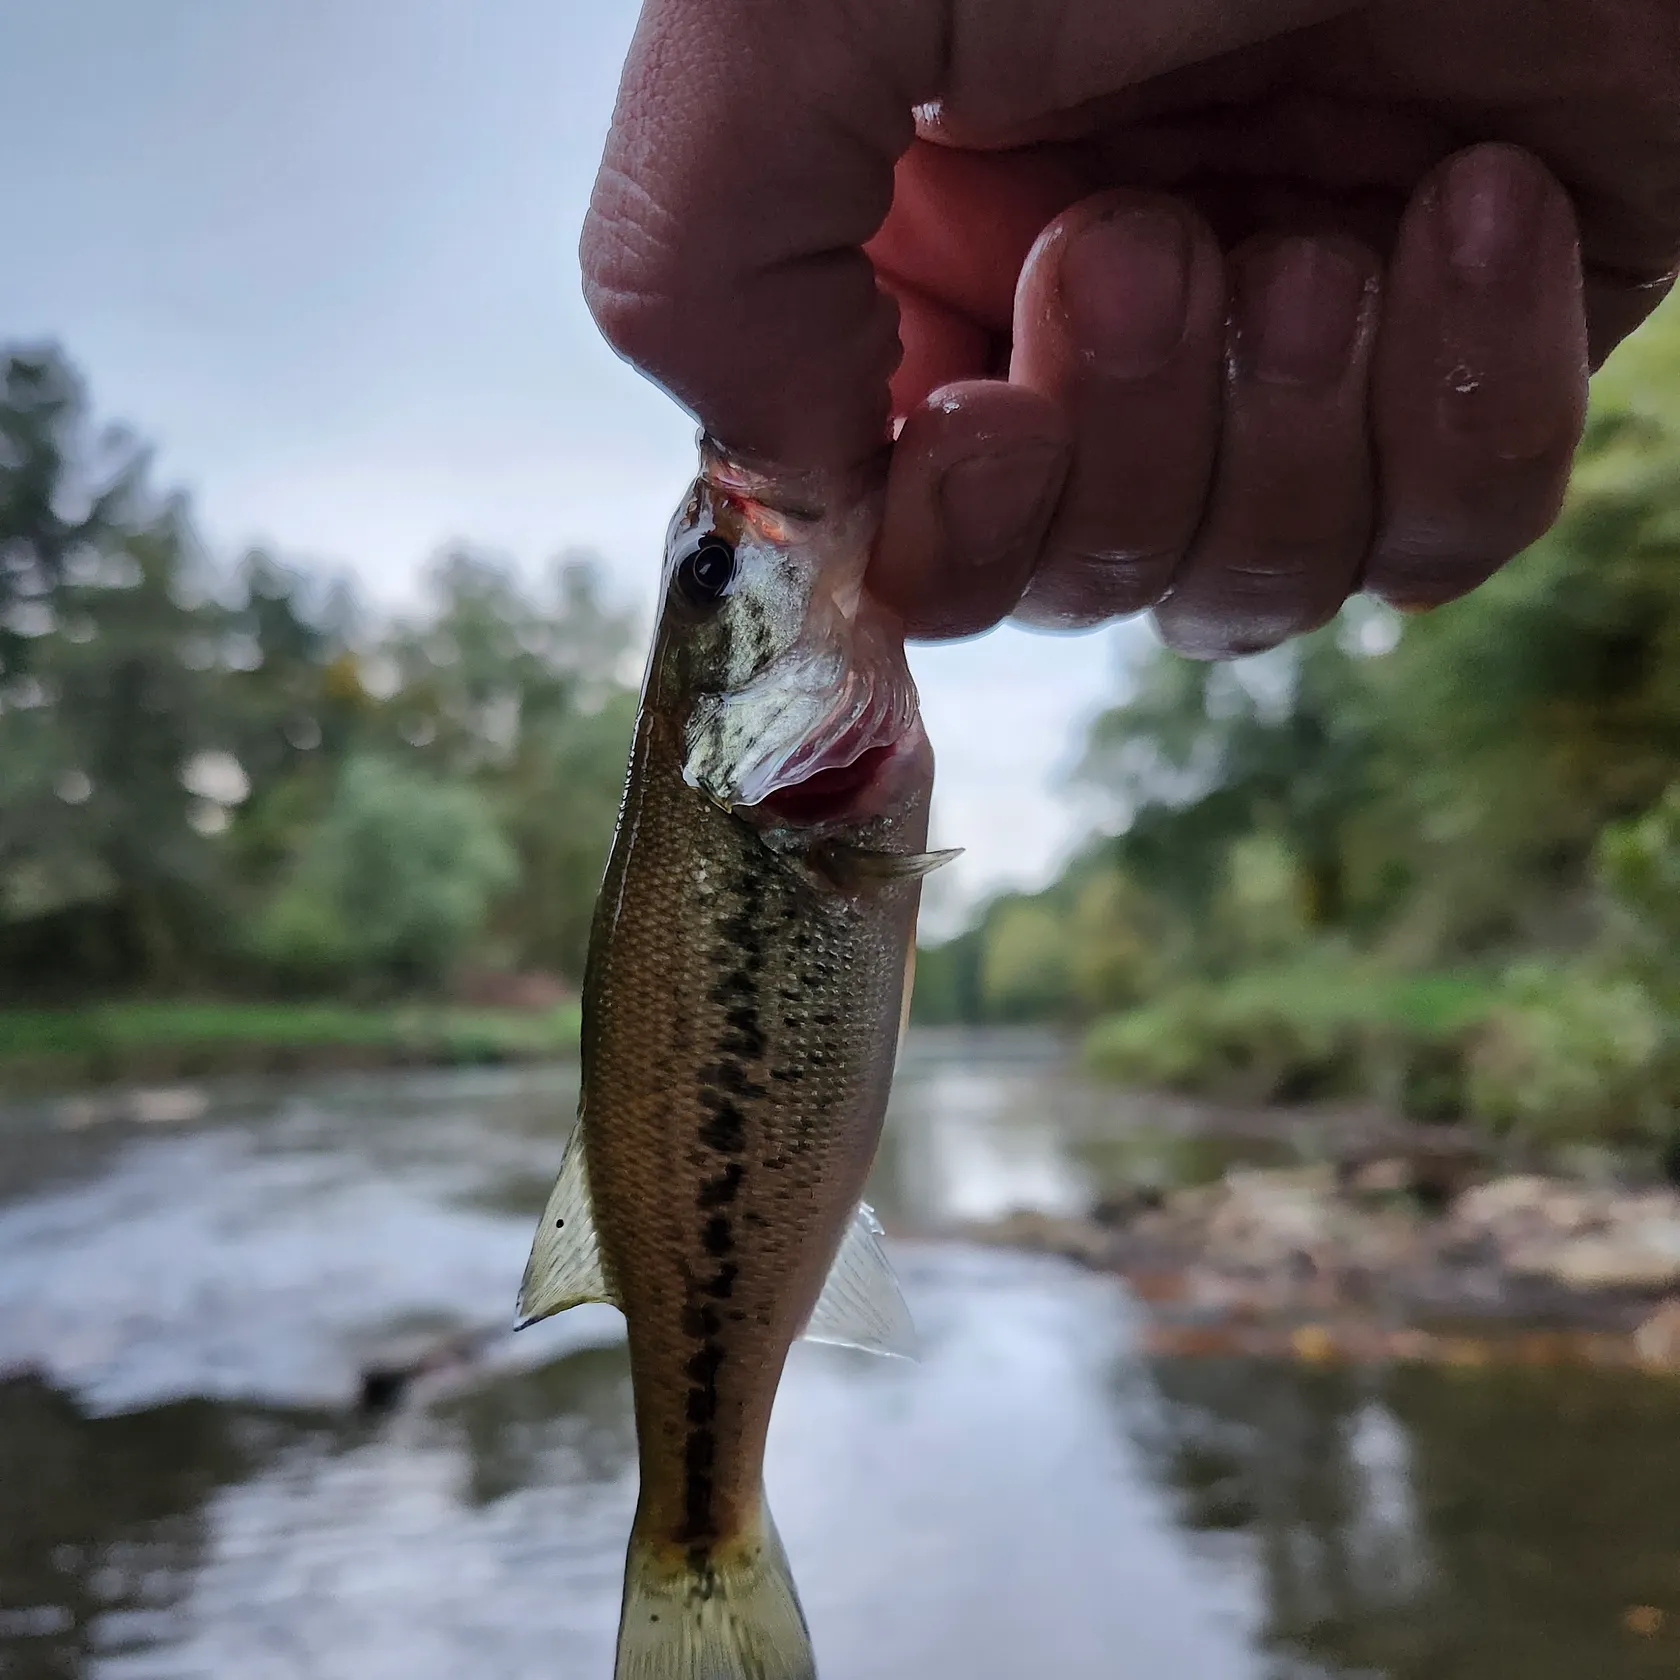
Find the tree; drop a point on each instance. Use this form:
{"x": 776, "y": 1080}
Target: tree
{"x": 526, "y": 696}
{"x": 393, "y": 886}
{"x": 104, "y": 700}
{"x": 189, "y": 752}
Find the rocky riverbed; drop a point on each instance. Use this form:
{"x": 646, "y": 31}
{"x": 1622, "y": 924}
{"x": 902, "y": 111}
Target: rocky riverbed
{"x": 1380, "y": 1257}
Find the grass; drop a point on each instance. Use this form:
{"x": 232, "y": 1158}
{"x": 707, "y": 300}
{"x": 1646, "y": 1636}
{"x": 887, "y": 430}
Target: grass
{"x": 178, "y": 1039}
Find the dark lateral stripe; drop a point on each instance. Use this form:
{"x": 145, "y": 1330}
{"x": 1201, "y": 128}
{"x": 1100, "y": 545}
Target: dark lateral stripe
{"x": 701, "y": 1321}
{"x": 725, "y": 1130}
{"x": 700, "y": 1444}
{"x": 730, "y": 1077}
{"x": 724, "y": 1085}
{"x": 722, "y": 1190}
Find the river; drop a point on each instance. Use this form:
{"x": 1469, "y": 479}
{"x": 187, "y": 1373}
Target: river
{"x": 185, "y": 1491}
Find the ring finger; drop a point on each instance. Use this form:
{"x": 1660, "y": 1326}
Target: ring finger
{"x": 1291, "y": 508}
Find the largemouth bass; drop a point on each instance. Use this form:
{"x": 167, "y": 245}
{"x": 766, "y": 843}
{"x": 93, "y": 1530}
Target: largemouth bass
{"x": 747, "y": 981}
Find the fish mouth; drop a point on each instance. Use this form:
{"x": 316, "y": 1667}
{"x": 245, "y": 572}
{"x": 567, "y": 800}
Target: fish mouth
{"x": 840, "y": 793}
{"x": 808, "y": 749}
{"x": 836, "y": 773}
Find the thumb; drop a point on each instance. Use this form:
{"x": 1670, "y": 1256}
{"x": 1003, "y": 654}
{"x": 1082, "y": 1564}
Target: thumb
{"x": 750, "y": 158}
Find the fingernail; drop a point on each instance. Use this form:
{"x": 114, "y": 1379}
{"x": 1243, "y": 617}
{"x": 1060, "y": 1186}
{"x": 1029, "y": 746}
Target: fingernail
{"x": 992, "y": 505}
{"x": 1125, "y": 287}
{"x": 1298, "y": 307}
{"x": 1491, "y": 203}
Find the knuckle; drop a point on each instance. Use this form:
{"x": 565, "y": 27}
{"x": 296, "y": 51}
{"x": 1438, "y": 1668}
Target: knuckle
{"x": 629, "y": 265}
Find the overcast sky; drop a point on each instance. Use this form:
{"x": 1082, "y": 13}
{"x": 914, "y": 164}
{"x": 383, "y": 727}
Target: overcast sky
{"x": 323, "y": 254}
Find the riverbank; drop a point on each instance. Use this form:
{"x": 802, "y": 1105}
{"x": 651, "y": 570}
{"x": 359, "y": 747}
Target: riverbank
{"x": 1428, "y": 1255}
{"x": 1541, "y": 1055}
{"x": 135, "y": 1043}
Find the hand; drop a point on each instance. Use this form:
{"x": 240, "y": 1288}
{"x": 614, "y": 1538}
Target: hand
{"x": 1227, "y": 311}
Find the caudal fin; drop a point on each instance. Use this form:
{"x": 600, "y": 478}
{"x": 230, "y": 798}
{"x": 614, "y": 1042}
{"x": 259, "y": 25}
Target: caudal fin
{"x": 712, "y": 1616}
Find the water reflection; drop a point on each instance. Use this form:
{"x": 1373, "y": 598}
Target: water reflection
{"x": 185, "y": 1492}
{"x": 104, "y": 1521}
{"x": 978, "y": 1129}
{"x": 1433, "y": 1525}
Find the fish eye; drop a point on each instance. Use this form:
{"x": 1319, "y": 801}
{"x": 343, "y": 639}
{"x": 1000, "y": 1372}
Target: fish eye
{"x": 705, "y": 573}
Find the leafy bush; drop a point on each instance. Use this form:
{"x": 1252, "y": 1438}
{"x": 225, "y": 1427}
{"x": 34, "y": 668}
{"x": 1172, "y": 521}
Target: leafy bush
{"x": 1299, "y": 1032}
{"x": 1024, "y": 972}
{"x": 1639, "y": 865}
{"x": 1245, "y": 1041}
{"x": 394, "y": 884}
{"x": 1575, "y": 1053}
{"x": 1118, "y": 943}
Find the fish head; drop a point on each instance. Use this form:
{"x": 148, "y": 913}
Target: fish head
{"x": 797, "y": 709}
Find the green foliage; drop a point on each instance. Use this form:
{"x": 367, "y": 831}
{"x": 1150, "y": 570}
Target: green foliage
{"x": 233, "y": 777}
{"x": 524, "y": 697}
{"x": 44, "y": 1047}
{"x": 1316, "y": 846}
{"x": 1570, "y": 1052}
{"x": 393, "y": 884}
{"x": 1116, "y": 940}
{"x": 1024, "y": 972}
{"x": 1639, "y": 864}
{"x": 947, "y": 989}
{"x": 1306, "y": 1030}
{"x": 101, "y": 703}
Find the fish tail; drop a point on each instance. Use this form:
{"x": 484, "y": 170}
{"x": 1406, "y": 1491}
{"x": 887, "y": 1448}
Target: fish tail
{"x": 712, "y": 1613}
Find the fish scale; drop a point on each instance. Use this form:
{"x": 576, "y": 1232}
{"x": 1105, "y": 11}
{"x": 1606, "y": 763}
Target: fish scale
{"x": 754, "y": 988}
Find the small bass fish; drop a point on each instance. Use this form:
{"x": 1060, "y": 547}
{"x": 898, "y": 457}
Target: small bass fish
{"x": 748, "y": 977}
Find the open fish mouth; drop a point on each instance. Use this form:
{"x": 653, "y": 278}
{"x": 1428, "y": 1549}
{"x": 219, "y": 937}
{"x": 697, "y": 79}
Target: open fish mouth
{"x": 829, "y": 775}
{"x": 833, "y": 795}
{"x": 802, "y": 754}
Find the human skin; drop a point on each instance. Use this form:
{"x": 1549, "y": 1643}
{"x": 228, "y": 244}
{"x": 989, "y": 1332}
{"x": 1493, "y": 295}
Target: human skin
{"x": 1223, "y": 311}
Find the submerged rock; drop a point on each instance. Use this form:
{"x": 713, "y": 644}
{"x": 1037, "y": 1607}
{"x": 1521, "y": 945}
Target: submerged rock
{"x": 1657, "y": 1340}
{"x": 169, "y": 1105}
{"x": 1261, "y": 1246}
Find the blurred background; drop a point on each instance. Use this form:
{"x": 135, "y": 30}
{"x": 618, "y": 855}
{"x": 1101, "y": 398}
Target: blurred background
{"x": 1283, "y": 1161}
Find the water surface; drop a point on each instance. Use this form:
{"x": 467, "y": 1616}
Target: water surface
{"x": 185, "y": 1491}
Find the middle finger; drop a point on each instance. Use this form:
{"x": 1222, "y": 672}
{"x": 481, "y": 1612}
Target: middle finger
{"x": 1120, "y": 321}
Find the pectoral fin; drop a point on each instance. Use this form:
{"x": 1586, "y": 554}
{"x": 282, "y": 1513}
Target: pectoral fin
{"x": 565, "y": 1268}
{"x": 851, "y": 867}
{"x": 861, "y": 1306}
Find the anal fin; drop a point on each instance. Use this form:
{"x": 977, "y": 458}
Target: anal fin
{"x": 565, "y": 1268}
{"x": 861, "y": 1305}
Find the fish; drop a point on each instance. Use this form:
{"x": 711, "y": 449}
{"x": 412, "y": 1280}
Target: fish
{"x": 746, "y": 989}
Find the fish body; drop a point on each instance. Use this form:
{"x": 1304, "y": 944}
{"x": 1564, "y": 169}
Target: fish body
{"x": 747, "y": 980}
